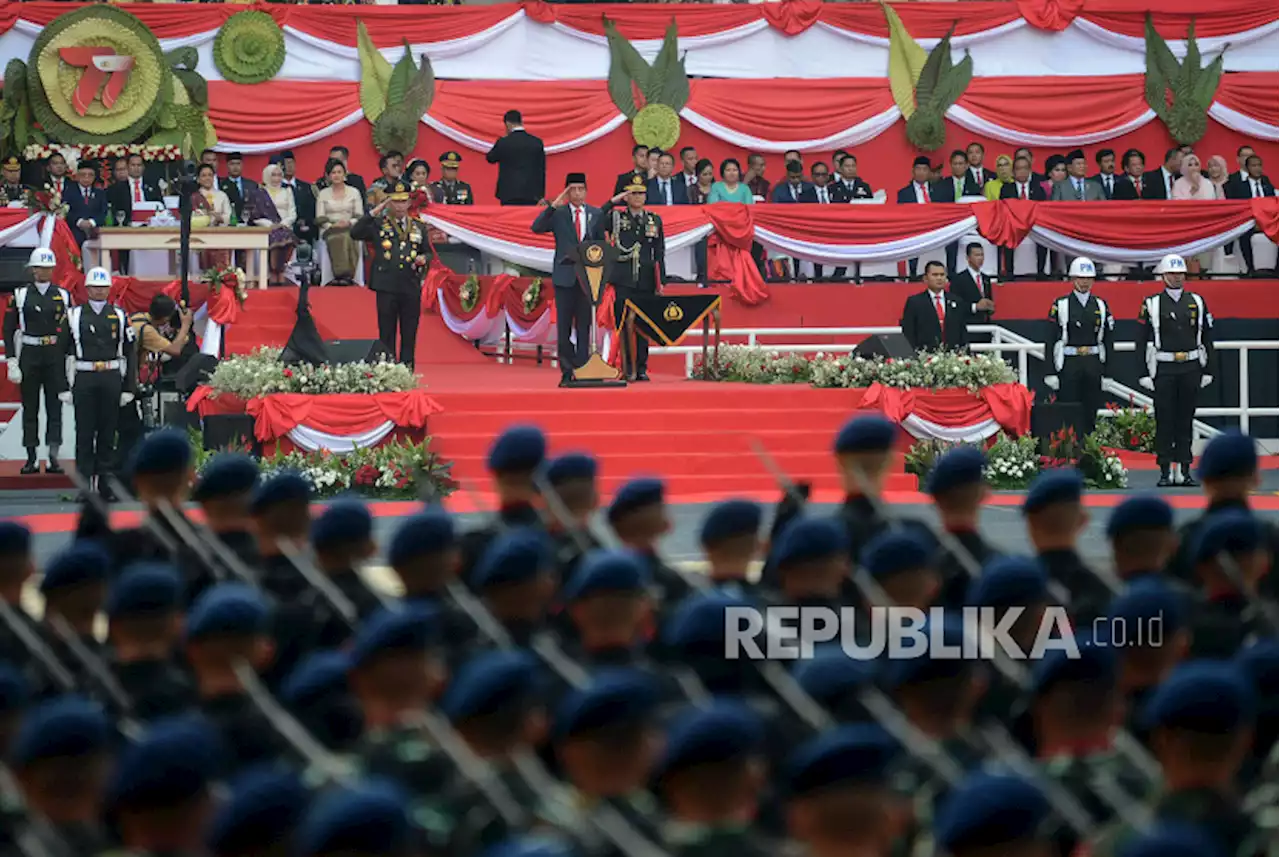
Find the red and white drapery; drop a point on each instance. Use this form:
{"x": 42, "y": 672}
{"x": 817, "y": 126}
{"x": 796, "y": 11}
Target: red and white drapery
{"x": 956, "y": 415}
{"x": 337, "y": 422}
{"x": 841, "y": 234}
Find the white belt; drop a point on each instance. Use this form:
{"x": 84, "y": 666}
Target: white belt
{"x": 1177, "y": 356}
{"x": 39, "y": 340}
{"x": 97, "y": 365}
{"x": 1080, "y": 350}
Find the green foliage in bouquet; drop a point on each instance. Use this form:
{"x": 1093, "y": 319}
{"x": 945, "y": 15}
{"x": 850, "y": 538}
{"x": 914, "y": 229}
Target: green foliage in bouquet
{"x": 1012, "y": 462}
{"x": 1180, "y": 93}
{"x": 923, "y": 454}
{"x": 1132, "y": 428}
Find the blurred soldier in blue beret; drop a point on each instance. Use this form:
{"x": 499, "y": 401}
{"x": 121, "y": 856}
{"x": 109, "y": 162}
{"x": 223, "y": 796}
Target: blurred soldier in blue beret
{"x": 370, "y": 818}
{"x": 62, "y": 757}
{"x": 864, "y": 450}
{"x": 281, "y": 510}
{"x": 515, "y": 457}
{"x": 74, "y": 587}
{"x": 230, "y": 625}
{"x": 990, "y": 813}
{"x": 16, "y": 568}
{"x": 144, "y": 627}
{"x": 836, "y": 681}
{"x": 260, "y": 816}
{"x": 693, "y": 638}
{"x": 316, "y": 693}
{"x": 902, "y": 563}
{"x": 1056, "y": 517}
{"x": 1142, "y": 538}
{"x": 958, "y": 487}
{"x": 15, "y": 693}
{"x": 608, "y": 602}
{"x": 1230, "y": 557}
{"x": 572, "y": 477}
{"x": 1260, "y": 662}
{"x": 639, "y": 515}
{"x": 730, "y": 538}
{"x": 811, "y": 557}
{"x": 1154, "y": 615}
{"x": 425, "y": 554}
{"x": 225, "y": 490}
{"x": 515, "y": 577}
{"x": 342, "y": 537}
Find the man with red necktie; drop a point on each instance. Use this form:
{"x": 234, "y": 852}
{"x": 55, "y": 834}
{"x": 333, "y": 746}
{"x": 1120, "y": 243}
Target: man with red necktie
{"x": 1023, "y": 186}
{"x": 934, "y": 318}
{"x": 1130, "y": 186}
{"x": 918, "y": 192}
{"x": 122, "y": 195}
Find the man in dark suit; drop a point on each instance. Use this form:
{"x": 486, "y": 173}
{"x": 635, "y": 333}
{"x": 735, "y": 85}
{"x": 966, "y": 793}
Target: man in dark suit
{"x": 1256, "y": 185}
{"x": 821, "y": 190}
{"x": 1158, "y": 184}
{"x": 86, "y": 204}
{"x": 304, "y": 197}
{"x": 919, "y": 191}
{"x": 960, "y": 183}
{"x": 639, "y": 164}
{"x": 971, "y": 288}
{"x": 974, "y": 154}
{"x": 933, "y": 318}
{"x": 235, "y": 185}
{"x": 1106, "y": 160}
{"x": 848, "y": 186}
{"x": 121, "y": 196}
{"x": 58, "y": 181}
{"x": 1024, "y": 152}
{"x": 397, "y": 273}
{"x": 355, "y": 180}
{"x": 571, "y": 221}
{"x": 795, "y": 188}
{"x": 666, "y": 188}
{"x": 1023, "y": 186}
{"x": 1130, "y": 184}
{"x": 522, "y": 164}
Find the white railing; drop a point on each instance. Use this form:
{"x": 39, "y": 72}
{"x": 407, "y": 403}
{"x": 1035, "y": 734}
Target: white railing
{"x": 1002, "y": 341}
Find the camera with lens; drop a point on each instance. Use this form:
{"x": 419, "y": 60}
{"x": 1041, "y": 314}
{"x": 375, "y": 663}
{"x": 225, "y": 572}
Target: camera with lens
{"x": 305, "y": 265}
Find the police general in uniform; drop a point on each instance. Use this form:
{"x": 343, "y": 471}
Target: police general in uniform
{"x": 1175, "y": 342}
{"x": 32, "y": 326}
{"x": 637, "y": 234}
{"x": 400, "y": 247}
{"x": 451, "y": 190}
{"x": 1081, "y": 329}
{"x": 99, "y": 345}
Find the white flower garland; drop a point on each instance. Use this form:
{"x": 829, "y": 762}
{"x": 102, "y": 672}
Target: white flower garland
{"x": 261, "y": 373}
{"x": 929, "y": 370}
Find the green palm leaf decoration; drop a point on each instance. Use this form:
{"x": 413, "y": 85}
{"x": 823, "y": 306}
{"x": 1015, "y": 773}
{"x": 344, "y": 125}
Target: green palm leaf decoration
{"x": 935, "y": 83}
{"x": 1180, "y": 93}
{"x": 663, "y": 87}
{"x": 410, "y": 89}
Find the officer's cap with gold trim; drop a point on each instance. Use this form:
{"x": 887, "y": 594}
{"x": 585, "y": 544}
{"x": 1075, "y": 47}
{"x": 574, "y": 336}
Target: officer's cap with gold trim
{"x": 11, "y": 163}
{"x": 399, "y": 192}
{"x": 637, "y": 184}
{"x": 450, "y": 159}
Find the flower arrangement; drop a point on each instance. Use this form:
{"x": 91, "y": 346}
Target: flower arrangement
{"x": 923, "y": 454}
{"x": 1012, "y": 462}
{"x": 96, "y": 151}
{"x": 260, "y": 373}
{"x": 469, "y": 292}
{"x": 45, "y": 201}
{"x": 1101, "y": 467}
{"x": 931, "y": 370}
{"x": 532, "y": 296}
{"x": 1132, "y": 428}
{"x": 220, "y": 278}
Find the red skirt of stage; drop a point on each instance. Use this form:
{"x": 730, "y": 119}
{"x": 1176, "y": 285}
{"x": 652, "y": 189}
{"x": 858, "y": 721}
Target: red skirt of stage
{"x": 954, "y": 414}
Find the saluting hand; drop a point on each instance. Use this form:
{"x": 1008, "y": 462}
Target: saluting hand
{"x": 620, "y": 196}
{"x": 377, "y": 209}
{"x": 559, "y": 200}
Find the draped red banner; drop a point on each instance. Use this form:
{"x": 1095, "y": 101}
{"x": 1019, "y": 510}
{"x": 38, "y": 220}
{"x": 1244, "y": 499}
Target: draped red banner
{"x": 1008, "y": 404}
{"x": 340, "y": 414}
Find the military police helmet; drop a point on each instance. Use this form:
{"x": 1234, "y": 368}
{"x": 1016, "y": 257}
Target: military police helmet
{"x": 1082, "y": 268}
{"x": 42, "y": 257}
{"x": 1172, "y": 264}
{"x": 98, "y": 277}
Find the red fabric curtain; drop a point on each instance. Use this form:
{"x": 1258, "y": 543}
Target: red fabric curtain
{"x": 341, "y": 414}
{"x": 730, "y": 257}
{"x": 790, "y": 109}
{"x": 391, "y": 25}
{"x": 1223, "y": 17}
{"x": 1138, "y": 225}
{"x": 856, "y": 224}
{"x": 638, "y": 21}
{"x": 1256, "y": 94}
{"x": 295, "y": 108}
{"x": 1008, "y": 404}
{"x": 1266, "y": 211}
{"x": 1053, "y": 15}
{"x": 1078, "y": 106}
{"x": 560, "y": 111}
{"x": 925, "y": 20}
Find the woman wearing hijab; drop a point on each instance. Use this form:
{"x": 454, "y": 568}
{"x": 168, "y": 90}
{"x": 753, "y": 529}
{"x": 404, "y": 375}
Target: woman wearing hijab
{"x": 1218, "y": 173}
{"x": 271, "y": 204}
{"x": 1193, "y": 184}
{"x": 1004, "y": 175}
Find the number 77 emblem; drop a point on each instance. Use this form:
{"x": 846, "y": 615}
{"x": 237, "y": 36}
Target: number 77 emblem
{"x": 100, "y": 65}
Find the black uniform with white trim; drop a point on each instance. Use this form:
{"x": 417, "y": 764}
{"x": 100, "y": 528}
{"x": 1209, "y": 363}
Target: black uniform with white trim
{"x": 100, "y": 344}
{"x": 1080, "y": 341}
{"x": 32, "y": 326}
{"x": 1175, "y": 340}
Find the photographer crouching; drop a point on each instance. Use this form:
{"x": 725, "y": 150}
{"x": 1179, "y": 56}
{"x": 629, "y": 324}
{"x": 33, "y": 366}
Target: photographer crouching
{"x": 158, "y": 342}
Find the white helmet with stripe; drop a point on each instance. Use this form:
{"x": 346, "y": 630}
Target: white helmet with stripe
{"x": 98, "y": 277}
{"x": 42, "y": 257}
{"x": 1172, "y": 264}
{"x": 1082, "y": 267}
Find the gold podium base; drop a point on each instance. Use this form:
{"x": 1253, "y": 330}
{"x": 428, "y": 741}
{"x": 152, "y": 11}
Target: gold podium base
{"x": 596, "y": 373}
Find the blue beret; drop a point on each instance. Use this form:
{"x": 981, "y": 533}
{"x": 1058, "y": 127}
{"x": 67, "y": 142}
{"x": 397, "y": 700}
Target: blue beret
{"x": 172, "y": 762}
{"x": 425, "y": 533}
{"x": 606, "y": 571}
{"x": 1145, "y": 599}
{"x": 163, "y": 451}
{"x": 490, "y": 682}
{"x": 857, "y": 753}
{"x": 1228, "y": 454}
{"x": 343, "y": 524}
{"x": 990, "y": 809}
{"x": 703, "y": 736}
{"x": 515, "y": 556}
{"x": 570, "y": 466}
{"x": 1097, "y": 663}
{"x": 807, "y": 538}
{"x": 14, "y": 538}
{"x": 533, "y": 845}
{"x": 925, "y": 666}
{"x": 956, "y": 468}
{"x": 831, "y": 674}
{"x": 83, "y": 562}
{"x": 518, "y": 449}
{"x": 866, "y": 433}
{"x": 1009, "y": 581}
{"x": 315, "y": 677}
{"x": 1059, "y": 485}
{"x": 13, "y": 688}
{"x": 224, "y": 476}
{"x": 731, "y": 518}
{"x": 1231, "y": 532}
{"x": 895, "y": 551}
{"x": 144, "y": 588}
{"x": 265, "y": 805}
{"x": 413, "y": 626}
{"x": 287, "y": 486}
{"x": 1144, "y": 512}
{"x": 698, "y": 623}
{"x": 227, "y": 609}
{"x": 368, "y": 817}
{"x": 1260, "y": 661}
{"x": 613, "y": 697}
{"x": 62, "y": 726}
{"x": 1202, "y": 696}
{"x": 1173, "y": 839}
{"x": 638, "y": 493}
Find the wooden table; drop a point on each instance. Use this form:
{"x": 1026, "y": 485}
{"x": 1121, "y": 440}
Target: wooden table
{"x": 254, "y": 239}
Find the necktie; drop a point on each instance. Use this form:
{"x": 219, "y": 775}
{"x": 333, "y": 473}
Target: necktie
{"x": 1079, "y": 188}
{"x": 1168, "y": 180}
{"x": 577, "y": 221}
{"x": 666, "y": 191}
{"x": 86, "y": 194}
{"x": 795, "y": 196}
{"x": 1107, "y": 181}
{"x": 1138, "y": 184}
{"x": 1257, "y": 188}
{"x": 1022, "y": 191}
{"x": 924, "y": 190}
{"x": 941, "y": 310}
{"x": 137, "y": 191}
{"x": 959, "y": 188}
{"x": 822, "y": 194}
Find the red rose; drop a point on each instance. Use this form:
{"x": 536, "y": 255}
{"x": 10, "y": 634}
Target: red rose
{"x": 288, "y": 373}
{"x": 368, "y": 374}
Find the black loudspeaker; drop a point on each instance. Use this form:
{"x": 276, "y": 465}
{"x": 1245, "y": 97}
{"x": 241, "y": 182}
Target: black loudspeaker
{"x": 1047, "y": 418}
{"x": 197, "y": 370}
{"x": 230, "y": 432}
{"x": 892, "y": 345}
{"x": 356, "y": 350}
